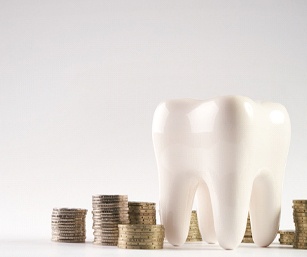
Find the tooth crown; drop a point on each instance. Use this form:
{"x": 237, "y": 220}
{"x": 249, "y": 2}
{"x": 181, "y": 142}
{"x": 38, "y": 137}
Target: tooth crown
{"x": 229, "y": 151}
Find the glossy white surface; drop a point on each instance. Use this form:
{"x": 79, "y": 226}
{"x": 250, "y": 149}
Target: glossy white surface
{"x": 231, "y": 152}
{"x": 38, "y": 248}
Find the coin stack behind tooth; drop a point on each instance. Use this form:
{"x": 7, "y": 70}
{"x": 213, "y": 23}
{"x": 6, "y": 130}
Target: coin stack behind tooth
{"x": 68, "y": 225}
{"x": 194, "y": 233}
{"x": 108, "y": 212}
{"x": 141, "y": 236}
{"x": 248, "y": 238}
{"x": 300, "y": 220}
{"x": 142, "y": 213}
{"x": 286, "y": 237}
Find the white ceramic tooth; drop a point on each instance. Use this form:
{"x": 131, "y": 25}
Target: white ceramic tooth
{"x": 233, "y": 152}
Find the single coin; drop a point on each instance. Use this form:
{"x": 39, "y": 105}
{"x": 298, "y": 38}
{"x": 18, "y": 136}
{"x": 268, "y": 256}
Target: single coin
{"x": 143, "y": 222}
{"x": 68, "y": 241}
{"x": 299, "y": 206}
{"x": 129, "y": 239}
{"x": 100, "y": 204}
{"x": 142, "y": 208}
{"x": 68, "y": 220}
{"x": 141, "y": 211}
{"x": 150, "y": 231}
{"x": 139, "y": 243}
{"x": 138, "y": 236}
{"x": 109, "y": 196}
{"x": 106, "y": 236}
{"x": 300, "y": 201}
{"x": 70, "y": 209}
{"x": 142, "y": 203}
{"x": 65, "y": 232}
{"x": 249, "y": 240}
{"x": 144, "y": 218}
{"x": 140, "y": 226}
{"x": 286, "y": 232}
{"x": 146, "y": 236}
{"x": 300, "y": 244}
{"x": 80, "y": 238}
{"x": 147, "y": 247}
{"x": 98, "y": 242}
{"x": 109, "y": 200}
{"x": 300, "y": 215}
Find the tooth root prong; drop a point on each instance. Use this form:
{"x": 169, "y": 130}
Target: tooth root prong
{"x": 230, "y": 204}
{"x": 176, "y": 206}
{"x": 204, "y": 214}
{"x": 265, "y": 208}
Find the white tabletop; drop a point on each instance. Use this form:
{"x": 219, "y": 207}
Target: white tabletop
{"x": 45, "y": 248}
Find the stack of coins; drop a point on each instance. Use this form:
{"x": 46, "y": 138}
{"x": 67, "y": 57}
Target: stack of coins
{"x": 248, "y": 238}
{"x": 286, "y": 237}
{"x": 108, "y": 212}
{"x": 194, "y": 233}
{"x": 68, "y": 225}
{"x": 300, "y": 220}
{"x": 142, "y": 213}
{"x": 141, "y": 236}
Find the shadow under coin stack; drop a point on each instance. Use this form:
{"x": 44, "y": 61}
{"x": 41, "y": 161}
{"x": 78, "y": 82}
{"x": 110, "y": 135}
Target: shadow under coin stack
{"x": 300, "y": 220}
{"x": 141, "y": 236}
{"x": 108, "y": 212}
{"x": 286, "y": 237}
{"x": 248, "y": 238}
{"x": 194, "y": 233}
{"x": 142, "y": 213}
{"x": 68, "y": 225}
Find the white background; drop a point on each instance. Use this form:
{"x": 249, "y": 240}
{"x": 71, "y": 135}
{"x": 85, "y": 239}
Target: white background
{"x": 80, "y": 80}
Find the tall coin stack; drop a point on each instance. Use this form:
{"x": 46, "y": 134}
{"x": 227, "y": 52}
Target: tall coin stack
{"x": 68, "y": 225}
{"x": 141, "y": 236}
{"x": 142, "y": 213}
{"x": 248, "y": 238}
{"x": 108, "y": 212}
{"x": 194, "y": 233}
{"x": 286, "y": 237}
{"x": 300, "y": 220}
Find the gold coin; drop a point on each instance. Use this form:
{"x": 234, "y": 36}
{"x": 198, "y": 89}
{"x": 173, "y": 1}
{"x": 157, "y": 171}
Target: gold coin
{"x": 300, "y": 215}
{"x": 300, "y": 201}
{"x": 142, "y": 203}
{"x": 137, "y": 233}
{"x": 149, "y": 238}
{"x": 291, "y": 232}
{"x": 141, "y": 226}
{"x": 68, "y": 240}
{"x": 247, "y": 240}
{"x": 300, "y": 244}
{"x": 147, "y": 247}
{"x": 156, "y": 244}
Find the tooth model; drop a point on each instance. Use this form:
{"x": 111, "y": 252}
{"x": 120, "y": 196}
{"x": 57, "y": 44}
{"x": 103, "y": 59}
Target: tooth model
{"x": 231, "y": 153}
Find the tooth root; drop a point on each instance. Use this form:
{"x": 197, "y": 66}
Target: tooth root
{"x": 176, "y": 204}
{"x": 205, "y": 215}
{"x": 230, "y": 202}
{"x": 265, "y": 208}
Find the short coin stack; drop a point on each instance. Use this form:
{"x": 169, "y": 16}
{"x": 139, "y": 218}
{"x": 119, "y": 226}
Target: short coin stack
{"x": 108, "y": 212}
{"x": 142, "y": 213}
{"x": 248, "y": 238}
{"x": 286, "y": 237}
{"x": 300, "y": 220}
{"x": 68, "y": 225}
{"x": 194, "y": 233}
{"x": 141, "y": 236}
